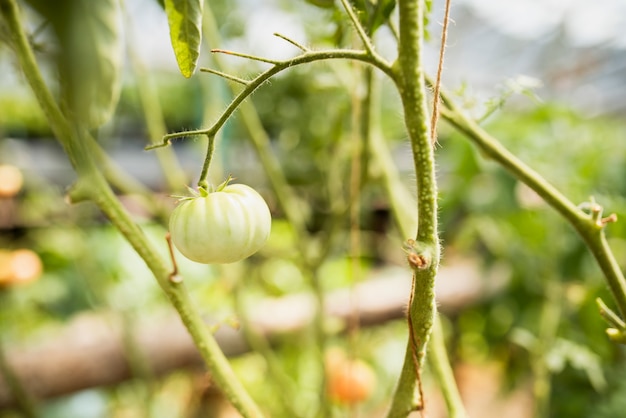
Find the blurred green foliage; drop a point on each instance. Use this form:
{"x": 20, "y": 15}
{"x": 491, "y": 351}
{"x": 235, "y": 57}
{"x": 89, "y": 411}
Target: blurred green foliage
{"x": 485, "y": 215}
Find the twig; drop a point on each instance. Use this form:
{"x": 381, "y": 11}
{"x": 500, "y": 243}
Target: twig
{"x": 292, "y": 42}
{"x": 610, "y": 316}
{"x": 174, "y": 276}
{"x": 588, "y": 225}
{"x": 442, "y": 50}
{"x": 415, "y": 347}
{"x": 247, "y": 56}
{"x": 367, "y": 43}
{"x": 252, "y": 85}
{"x": 225, "y": 75}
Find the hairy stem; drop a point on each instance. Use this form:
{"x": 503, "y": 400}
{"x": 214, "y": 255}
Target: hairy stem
{"x": 409, "y": 78}
{"x": 81, "y": 155}
{"x": 203, "y": 182}
{"x": 278, "y": 66}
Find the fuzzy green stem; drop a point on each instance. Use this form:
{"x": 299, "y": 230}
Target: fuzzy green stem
{"x": 367, "y": 43}
{"x": 279, "y": 66}
{"x": 409, "y": 78}
{"x": 203, "y": 182}
{"x": 81, "y": 155}
{"x": 400, "y": 200}
{"x": 260, "y": 140}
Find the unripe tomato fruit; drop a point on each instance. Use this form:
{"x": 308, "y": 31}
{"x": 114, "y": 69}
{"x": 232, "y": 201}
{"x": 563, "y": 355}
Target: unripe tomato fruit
{"x": 221, "y": 227}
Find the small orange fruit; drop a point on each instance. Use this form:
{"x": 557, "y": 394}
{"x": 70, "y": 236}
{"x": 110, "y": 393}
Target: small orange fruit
{"x": 26, "y": 266}
{"x": 350, "y": 381}
{"x": 19, "y": 266}
{"x": 11, "y": 180}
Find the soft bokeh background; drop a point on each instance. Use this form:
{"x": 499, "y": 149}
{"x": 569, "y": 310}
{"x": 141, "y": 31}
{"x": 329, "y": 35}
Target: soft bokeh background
{"x": 518, "y": 288}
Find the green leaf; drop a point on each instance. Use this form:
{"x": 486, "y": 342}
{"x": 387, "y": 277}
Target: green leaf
{"x": 427, "y": 12}
{"x": 579, "y": 357}
{"x": 373, "y": 14}
{"x": 185, "y": 21}
{"x": 90, "y": 55}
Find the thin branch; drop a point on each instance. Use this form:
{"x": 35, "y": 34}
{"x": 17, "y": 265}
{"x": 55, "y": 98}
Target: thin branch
{"x": 436, "y": 99}
{"x": 367, "y": 43}
{"x": 292, "y": 42}
{"x": 252, "y": 85}
{"x": 202, "y": 182}
{"x": 247, "y": 56}
{"x": 225, "y": 75}
{"x": 174, "y": 276}
{"x": 589, "y": 226}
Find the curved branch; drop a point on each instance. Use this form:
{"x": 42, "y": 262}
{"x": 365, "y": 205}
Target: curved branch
{"x": 589, "y": 226}
{"x": 278, "y": 66}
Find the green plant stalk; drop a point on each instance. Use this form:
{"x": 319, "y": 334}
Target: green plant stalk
{"x": 203, "y": 182}
{"x": 409, "y": 78}
{"x": 401, "y": 203}
{"x": 590, "y": 230}
{"x": 278, "y": 66}
{"x": 91, "y": 180}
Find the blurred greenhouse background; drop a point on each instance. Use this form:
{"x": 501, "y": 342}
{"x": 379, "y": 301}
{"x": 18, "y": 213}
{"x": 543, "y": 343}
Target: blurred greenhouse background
{"x": 517, "y": 289}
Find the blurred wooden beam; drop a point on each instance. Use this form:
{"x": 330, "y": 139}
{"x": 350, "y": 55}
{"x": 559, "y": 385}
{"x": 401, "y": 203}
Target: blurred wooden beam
{"x": 91, "y": 351}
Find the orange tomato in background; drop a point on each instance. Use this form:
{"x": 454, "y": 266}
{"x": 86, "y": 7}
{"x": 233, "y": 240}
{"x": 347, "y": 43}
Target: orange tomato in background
{"x": 19, "y": 266}
{"x": 349, "y": 381}
{"x": 11, "y": 180}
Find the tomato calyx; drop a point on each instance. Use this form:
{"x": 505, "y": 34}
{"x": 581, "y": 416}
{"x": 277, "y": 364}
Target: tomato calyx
{"x": 203, "y": 192}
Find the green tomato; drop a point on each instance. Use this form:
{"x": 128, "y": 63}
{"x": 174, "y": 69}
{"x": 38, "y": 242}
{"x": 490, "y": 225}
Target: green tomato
{"x": 221, "y": 227}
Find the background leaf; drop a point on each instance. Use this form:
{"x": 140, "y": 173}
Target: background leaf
{"x": 89, "y": 57}
{"x": 185, "y": 21}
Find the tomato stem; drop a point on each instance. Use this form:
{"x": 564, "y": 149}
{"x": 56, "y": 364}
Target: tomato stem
{"x": 203, "y": 182}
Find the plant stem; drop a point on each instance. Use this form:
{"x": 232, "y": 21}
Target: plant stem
{"x": 400, "y": 201}
{"x": 278, "y": 66}
{"x": 81, "y": 154}
{"x": 440, "y": 365}
{"x": 591, "y": 232}
{"x": 409, "y": 78}
{"x": 203, "y": 182}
